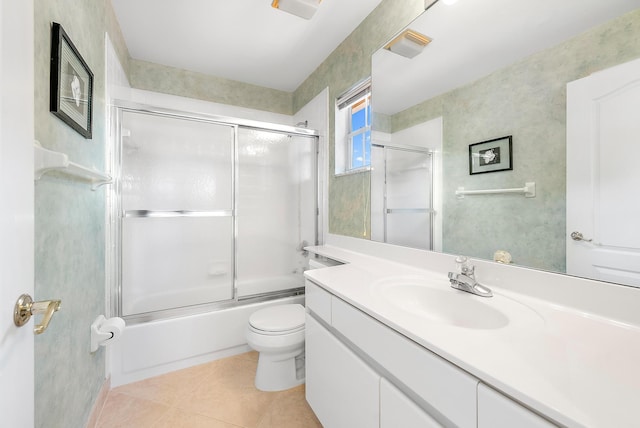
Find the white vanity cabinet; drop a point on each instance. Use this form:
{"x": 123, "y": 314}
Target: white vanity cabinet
{"x": 339, "y": 381}
{"x": 362, "y": 373}
{"x": 497, "y": 411}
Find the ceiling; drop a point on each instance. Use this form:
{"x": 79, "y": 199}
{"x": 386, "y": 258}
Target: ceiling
{"x": 243, "y": 40}
{"x": 472, "y": 39}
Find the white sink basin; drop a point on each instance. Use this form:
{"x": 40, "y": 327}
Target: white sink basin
{"x": 436, "y": 301}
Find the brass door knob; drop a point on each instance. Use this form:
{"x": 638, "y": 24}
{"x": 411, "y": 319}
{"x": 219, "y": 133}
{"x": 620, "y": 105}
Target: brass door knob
{"x": 25, "y": 307}
{"x": 577, "y": 236}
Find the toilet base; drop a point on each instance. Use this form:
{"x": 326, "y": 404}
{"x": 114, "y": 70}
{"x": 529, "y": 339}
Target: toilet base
{"x": 277, "y": 372}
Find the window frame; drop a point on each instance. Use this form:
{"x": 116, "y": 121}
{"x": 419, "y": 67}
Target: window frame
{"x": 358, "y": 95}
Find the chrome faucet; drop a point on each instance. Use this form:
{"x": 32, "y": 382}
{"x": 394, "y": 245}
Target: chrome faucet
{"x": 465, "y": 279}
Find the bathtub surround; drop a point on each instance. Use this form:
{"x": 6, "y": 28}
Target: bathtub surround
{"x": 526, "y": 100}
{"x": 154, "y": 348}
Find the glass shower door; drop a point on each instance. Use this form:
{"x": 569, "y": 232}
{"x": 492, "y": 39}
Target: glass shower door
{"x": 176, "y": 187}
{"x": 276, "y": 210}
{"x": 401, "y": 197}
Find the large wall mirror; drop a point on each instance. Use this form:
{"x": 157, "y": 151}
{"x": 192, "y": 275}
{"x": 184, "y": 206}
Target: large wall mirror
{"x": 483, "y": 107}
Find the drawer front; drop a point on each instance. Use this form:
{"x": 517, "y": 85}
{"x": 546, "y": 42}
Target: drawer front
{"x": 318, "y": 301}
{"x": 449, "y": 392}
{"x": 397, "y": 410}
{"x": 497, "y": 411}
{"x": 342, "y": 390}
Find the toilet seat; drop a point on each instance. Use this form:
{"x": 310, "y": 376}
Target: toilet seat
{"x": 275, "y": 333}
{"x": 278, "y": 320}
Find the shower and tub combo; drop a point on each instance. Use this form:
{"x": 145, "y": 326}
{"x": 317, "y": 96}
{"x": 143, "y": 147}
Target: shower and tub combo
{"x": 209, "y": 216}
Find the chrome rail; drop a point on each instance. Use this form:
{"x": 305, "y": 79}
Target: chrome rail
{"x": 410, "y": 211}
{"x": 176, "y": 213}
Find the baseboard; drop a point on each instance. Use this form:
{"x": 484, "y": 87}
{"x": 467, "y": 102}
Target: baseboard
{"x": 99, "y": 404}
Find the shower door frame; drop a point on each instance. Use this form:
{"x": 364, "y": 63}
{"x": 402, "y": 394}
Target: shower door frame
{"x": 115, "y": 214}
{"x": 385, "y": 210}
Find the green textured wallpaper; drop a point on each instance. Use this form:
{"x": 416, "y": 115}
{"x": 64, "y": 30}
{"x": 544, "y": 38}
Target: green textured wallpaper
{"x": 349, "y": 63}
{"x": 70, "y": 224}
{"x": 526, "y": 100}
{"x": 169, "y": 80}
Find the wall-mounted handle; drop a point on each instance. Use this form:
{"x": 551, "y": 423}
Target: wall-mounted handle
{"x": 25, "y": 307}
{"x": 577, "y": 236}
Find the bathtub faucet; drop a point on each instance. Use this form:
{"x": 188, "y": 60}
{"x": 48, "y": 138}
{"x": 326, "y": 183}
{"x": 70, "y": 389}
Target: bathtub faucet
{"x": 301, "y": 249}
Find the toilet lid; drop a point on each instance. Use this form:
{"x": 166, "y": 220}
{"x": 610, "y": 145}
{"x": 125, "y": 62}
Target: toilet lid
{"x": 278, "y": 318}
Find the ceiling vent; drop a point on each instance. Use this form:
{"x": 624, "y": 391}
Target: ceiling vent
{"x": 302, "y": 8}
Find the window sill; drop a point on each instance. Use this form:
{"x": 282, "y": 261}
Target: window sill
{"x": 353, "y": 171}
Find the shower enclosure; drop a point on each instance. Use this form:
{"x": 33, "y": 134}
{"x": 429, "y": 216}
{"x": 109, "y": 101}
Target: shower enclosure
{"x": 208, "y": 211}
{"x": 402, "y": 196}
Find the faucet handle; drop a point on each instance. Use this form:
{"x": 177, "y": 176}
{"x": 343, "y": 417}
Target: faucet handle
{"x": 461, "y": 260}
{"x": 464, "y": 267}
{"x": 468, "y": 270}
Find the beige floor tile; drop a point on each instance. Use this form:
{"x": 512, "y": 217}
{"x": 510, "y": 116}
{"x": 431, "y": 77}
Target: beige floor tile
{"x": 152, "y": 389}
{"x": 252, "y": 355}
{"x": 125, "y": 411}
{"x": 290, "y": 410}
{"x": 220, "y": 394}
{"x": 231, "y": 402}
{"x": 240, "y": 370}
{"x": 177, "y": 418}
{"x": 189, "y": 377}
{"x": 167, "y": 388}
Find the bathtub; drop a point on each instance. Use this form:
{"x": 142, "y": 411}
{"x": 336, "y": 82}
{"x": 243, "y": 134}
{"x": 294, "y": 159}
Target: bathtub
{"x": 153, "y": 348}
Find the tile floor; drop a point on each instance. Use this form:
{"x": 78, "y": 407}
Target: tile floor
{"x": 220, "y": 394}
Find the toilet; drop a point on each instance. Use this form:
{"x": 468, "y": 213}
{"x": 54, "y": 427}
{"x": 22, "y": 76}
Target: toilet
{"x": 277, "y": 333}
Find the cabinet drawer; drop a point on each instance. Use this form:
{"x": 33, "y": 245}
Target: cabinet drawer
{"x": 318, "y": 301}
{"x": 397, "y": 410}
{"x": 497, "y": 411}
{"x": 342, "y": 390}
{"x": 447, "y": 391}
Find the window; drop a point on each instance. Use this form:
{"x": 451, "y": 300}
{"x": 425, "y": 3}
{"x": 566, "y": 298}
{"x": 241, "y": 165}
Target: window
{"x": 359, "y": 136}
{"x": 353, "y": 129}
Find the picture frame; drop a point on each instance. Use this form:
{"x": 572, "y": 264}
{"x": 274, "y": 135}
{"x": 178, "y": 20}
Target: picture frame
{"x": 491, "y": 155}
{"x": 71, "y": 83}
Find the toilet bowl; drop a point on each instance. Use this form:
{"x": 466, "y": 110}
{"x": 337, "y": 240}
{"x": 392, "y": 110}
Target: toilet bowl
{"x": 277, "y": 333}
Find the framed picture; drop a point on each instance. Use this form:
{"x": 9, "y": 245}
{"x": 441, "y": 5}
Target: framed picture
{"x": 71, "y": 85}
{"x": 491, "y": 156}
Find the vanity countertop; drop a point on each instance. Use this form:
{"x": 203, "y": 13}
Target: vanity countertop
{"x": 577, "y": 368}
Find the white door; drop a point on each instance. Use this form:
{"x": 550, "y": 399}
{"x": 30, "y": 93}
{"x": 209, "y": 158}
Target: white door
{"x": 16, "y": 209}
{"x": 603, "y": 175}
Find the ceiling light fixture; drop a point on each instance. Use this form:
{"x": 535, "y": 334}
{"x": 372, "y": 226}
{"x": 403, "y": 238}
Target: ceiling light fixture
{"x": 408, "y": 44}
{"x": 302, "y": 8}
